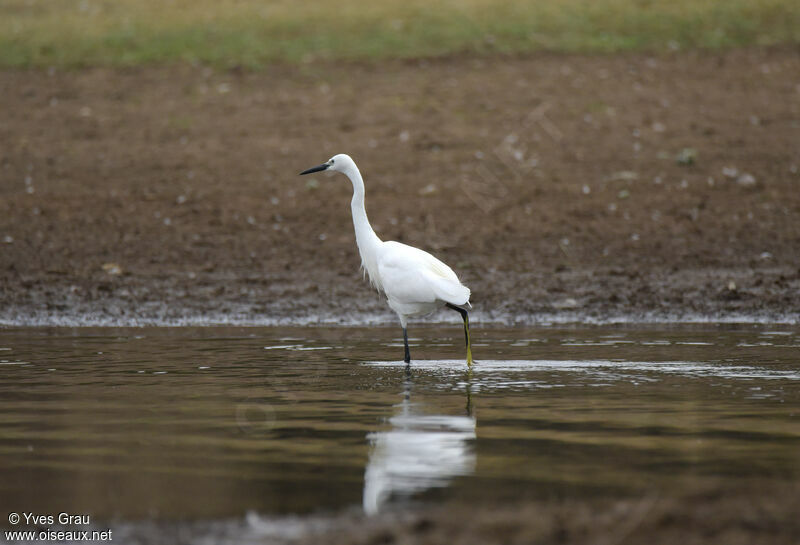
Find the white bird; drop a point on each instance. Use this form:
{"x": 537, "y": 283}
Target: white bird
{"x": 415, "y": 283}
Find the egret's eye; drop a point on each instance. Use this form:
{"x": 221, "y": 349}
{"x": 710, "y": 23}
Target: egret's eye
{"x": 332, "y": 161}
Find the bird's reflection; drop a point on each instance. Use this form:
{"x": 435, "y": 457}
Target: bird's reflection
{"x": 419, "y": 452}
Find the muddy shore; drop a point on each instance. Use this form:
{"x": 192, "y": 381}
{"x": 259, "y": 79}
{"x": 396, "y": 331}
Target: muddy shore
{"x": 559, "y": 187}
{"x": 722, "y": 515}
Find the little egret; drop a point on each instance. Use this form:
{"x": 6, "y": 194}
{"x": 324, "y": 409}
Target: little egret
{"x": 415, "y": 283}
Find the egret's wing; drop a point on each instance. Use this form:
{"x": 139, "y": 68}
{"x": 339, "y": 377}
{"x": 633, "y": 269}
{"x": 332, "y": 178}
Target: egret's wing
{"x": 411, "y": 275}
{"x": 405, "y": 284}
{"x": 446, "y": 289}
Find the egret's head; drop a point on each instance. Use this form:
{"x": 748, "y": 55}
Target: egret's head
{"x": 338, "y": 163}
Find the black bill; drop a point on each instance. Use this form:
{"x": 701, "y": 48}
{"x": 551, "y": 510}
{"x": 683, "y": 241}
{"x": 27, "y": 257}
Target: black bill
{"x": 323, "y": 166}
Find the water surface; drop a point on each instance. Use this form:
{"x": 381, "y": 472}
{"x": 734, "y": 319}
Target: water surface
{"x": 131, "y": 424}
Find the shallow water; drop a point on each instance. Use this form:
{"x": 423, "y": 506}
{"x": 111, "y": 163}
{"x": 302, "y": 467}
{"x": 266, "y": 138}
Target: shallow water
{"x": 126, "y": 424}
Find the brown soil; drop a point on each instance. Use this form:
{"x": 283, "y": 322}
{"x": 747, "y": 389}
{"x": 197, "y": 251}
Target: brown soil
{"x": 716, "y": 516}
{"x": 557, "y": 186}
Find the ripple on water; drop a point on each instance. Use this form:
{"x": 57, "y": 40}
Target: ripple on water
{"x": 297, "y": 347}
{"x": 685, "y": 368}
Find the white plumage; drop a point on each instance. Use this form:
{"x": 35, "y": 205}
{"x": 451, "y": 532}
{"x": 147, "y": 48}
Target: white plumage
{"x": 415, "y": 283}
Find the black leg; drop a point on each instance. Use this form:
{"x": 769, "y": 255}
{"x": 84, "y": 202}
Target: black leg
{"x": 407, "y": 357}
{"x": 465, "y": 317}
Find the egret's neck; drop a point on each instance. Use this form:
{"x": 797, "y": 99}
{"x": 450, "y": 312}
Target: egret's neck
{"x": 366, "y": 238}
